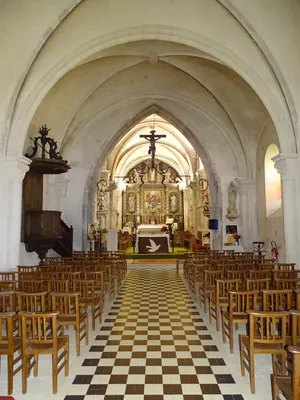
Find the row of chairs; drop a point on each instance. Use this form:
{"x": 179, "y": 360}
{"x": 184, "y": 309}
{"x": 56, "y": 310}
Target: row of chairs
{"x": 261, "y": 295}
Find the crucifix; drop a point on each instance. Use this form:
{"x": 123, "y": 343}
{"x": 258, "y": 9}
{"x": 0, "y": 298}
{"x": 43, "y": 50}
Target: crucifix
{"x": 152, "y": 139}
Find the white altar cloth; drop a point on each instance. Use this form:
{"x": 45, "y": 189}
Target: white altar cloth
{"x": 152, "y": 236}
{"x": 148, "y": 228}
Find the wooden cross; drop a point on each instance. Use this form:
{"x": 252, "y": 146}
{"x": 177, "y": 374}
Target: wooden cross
{"x": 152, "y": 139}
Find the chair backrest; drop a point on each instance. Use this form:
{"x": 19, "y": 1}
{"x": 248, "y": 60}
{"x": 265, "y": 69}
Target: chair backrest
{"x": 59, "y": 285}
{"x": 260, "y": 273}
{"x": 242, "y": 301}
{"x": 31, "y": 301}
{"x": 211, "y": 276}
{"x": 6, "y": 331}
{"x": 66, "y": 303}
{"x": 8, "y": 286}
{"x": 26, "y": 268}
{"x": 277, "y": 300}
{"x": 237, "y": 274}
{"x": 285, "y": 274}
{"x": 39, "y": 328}
{"x": 8, "y": 276}
{"x": 7, "y": 302}
{"x": 268, "y": 328}
{"x": 295, "y": 326}
{"x": 285, "y": 266}
{"x": 295, "y": 351}
{"x": 32, "y": 286}
{"x": 97, "y": 276}
{"x": 287, "y": 283}
{"x": 85, "y": 287}
{"x": 224, "y": 286}
{"x": 258, "y": 284}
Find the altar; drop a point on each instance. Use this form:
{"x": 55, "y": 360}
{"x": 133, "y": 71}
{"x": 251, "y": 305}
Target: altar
{"x": 152, "y": 243}
{"x": 149, "y": 229}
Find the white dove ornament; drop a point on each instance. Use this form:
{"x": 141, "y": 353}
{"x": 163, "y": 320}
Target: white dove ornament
{"x": 154, "y": 247}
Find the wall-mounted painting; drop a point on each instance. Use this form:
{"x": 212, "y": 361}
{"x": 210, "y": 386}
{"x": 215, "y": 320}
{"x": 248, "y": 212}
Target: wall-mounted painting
{"x": 92, "y": 231}
{"x": 152, "y": 201}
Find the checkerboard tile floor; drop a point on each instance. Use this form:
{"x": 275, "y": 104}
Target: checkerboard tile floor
{"x": 153, "y": 345}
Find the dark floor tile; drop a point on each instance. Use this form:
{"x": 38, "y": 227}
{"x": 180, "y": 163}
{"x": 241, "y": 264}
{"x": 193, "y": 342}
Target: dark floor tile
{"x": 190, "y": 332}
{"x": 194, "y": 342}
{"x": 210, "y": 348}
{"x": 153, "y": 337}
{"x": 166, "y": 333}
{"x": 117, "y": 333}
{"x": 182, "y": 348}
{"x": 153, "y": 379}
{"x": 74, "y": 397}
{"x": 96, "y": 389}
{"x": 127, "y": 337}
{"x": 101, "y": 337}
{"x": 140, "y": 343}
{"x": 172, "y": 389}
{"x": 118, "y": 379}
{"x": 137, "y": 370}
{"x": 203, "y": 369}
{"x": 109, "y": 354}
{"x": 97, "y": 349}
{"x": 153, "y": 361}
{"x": 138, "y": 354}
{"x": 134, "y": 389}
{"x": 83, "y": 379}
{"x": 216, "y": 361}
{"x": 90, "y": 362}
{"x": 153, "y": 348}
{"x": 205, "y": 337}
{"x": 170, "y": 369}
{"x": 185, "y": 361}
{"x": 188, "y": 378}
{"x": 121, "y": 361}
{"x": 103, "y": 370}
{"x": 113, "y": 343}
{"x": 106, "y": 328}
{"x": 127, "y": 348}
{"x": 208, "y": 388}
{"x": 193, "y": 397}
{"x": 233, "y": 397}
{"x": 224, "y": 378}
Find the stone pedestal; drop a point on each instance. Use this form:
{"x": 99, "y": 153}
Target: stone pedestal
{"x": 112, "y": 240}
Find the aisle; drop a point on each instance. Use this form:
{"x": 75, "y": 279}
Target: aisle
{"x": 154, "y": 345}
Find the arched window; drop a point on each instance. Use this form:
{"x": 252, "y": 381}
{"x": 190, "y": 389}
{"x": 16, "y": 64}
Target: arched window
{"x": 272, "y": 182}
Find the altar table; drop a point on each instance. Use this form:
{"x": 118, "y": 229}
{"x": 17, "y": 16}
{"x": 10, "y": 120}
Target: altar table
{"x": 152, "y": 244}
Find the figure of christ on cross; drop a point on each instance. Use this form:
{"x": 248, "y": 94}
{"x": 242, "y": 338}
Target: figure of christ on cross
{"x": 152, "y": 139}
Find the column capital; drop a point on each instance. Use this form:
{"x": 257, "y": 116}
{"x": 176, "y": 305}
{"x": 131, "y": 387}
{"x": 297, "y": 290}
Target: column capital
{"x": 245, "y": 184}
{"x": 286, "y": 165}
{"x": 14, "y": 168}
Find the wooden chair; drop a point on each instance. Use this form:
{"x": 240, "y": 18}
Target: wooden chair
{"x": 286, "y": 283}
{"x": 208, "y": 286}
{"x": 89, "y": 298}
{"x": 260, "y": 274}
{"x": 242, "y": 275}
{"x": 9, "y": 345}
{"x": 277, "y": 300}
{"x": 239, "y": 303}
{"x": 8, "y": 286}
{"x": 267, "y": 335}
{"x": 59, "y": 286}
{"x": 32, "y": 286}
{"x": 285, "y": 266}
{"x": 39, "y": 336}
{"x": 31, "y": 301}
{"x": 7, "y": 302}
{"x": 8, "y": 276}
{"x": 70, "y": 315}
{"x": 26, "y": 268}
{"x": 220, "y": 298}
{"x": 288, "y": 386}
{"x": 258, "y": 284}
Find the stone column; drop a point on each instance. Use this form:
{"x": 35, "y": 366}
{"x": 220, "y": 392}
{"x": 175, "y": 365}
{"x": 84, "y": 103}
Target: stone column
{"x": 288, "y": 167}
{"x": 216, "y": 238}
{"x": 248, "y": 211}
{"x": 12, "y": 172}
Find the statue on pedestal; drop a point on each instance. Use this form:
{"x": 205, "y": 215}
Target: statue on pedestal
{"x": 232, "y": 212}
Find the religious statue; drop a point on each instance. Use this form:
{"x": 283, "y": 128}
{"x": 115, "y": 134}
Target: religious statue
{"x": 173, "y": 203}
{"x": 232, "y": 212}
{"x": 152, "y": 175}
{"x": 152, "y": 139}
{"x": 131, "y": 203}
{"x": 102, "y": 202}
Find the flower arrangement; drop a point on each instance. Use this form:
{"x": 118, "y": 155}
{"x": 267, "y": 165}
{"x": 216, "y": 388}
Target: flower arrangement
{"x": 236, "y": 237}
{"x": 164, "y": 228}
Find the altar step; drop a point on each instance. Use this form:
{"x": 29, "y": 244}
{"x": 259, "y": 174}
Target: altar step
{"x": 158, "y": 256}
